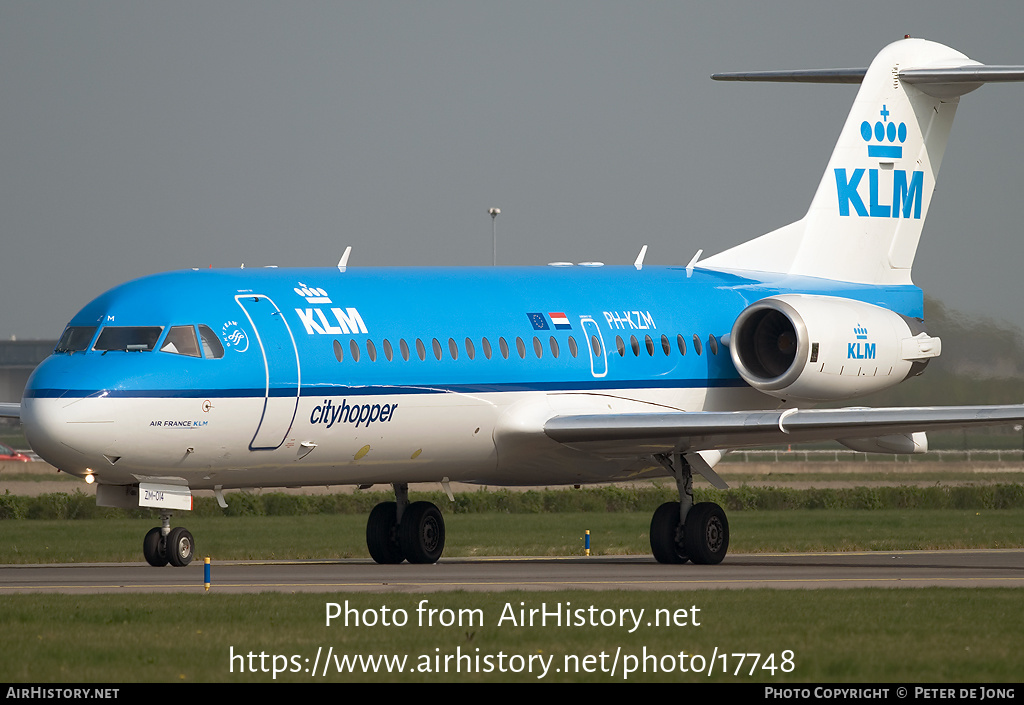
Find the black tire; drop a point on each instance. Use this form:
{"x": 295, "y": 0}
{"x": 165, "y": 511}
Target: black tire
{"x": 180, "y": 547}
{"x": 153, "y": 548}
{"x": 382, "y": 534}
{"x": 706, "y": 534}
{"x": 666, "y": 536}
{"x": 421, "y": 533}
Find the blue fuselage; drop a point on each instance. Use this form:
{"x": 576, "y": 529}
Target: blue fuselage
{"x": 369, "y": 357}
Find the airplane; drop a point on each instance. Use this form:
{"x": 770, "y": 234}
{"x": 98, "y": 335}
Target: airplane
{"x": 211, "y": 380}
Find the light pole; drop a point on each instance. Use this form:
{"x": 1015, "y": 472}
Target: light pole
{"x": 495, "y": 212}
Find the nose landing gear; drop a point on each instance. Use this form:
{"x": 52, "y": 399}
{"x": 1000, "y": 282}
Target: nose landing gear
{"x": 163, "y": 545}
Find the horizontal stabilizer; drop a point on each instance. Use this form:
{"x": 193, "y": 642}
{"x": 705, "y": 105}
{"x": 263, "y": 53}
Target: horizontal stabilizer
{"x": 796, "y": 76}
{"x": 942, "y": 81}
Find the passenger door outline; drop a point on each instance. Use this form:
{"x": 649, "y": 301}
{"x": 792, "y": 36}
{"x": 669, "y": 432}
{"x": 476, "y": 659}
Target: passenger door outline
{"x": 283, "y": 375}
{"x": 598, "y": 363}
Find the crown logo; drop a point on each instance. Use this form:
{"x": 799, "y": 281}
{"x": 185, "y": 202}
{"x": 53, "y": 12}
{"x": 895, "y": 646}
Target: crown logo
{"x": 885, "y": 134}
{"x": 861, "y": 332}
{"x": 312, "y": 294}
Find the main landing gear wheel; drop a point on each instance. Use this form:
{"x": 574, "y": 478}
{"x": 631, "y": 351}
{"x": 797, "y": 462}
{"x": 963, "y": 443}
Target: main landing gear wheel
{"x": 667, "y": 534}
{"x": 706, "y": 534}
{"x": 382, "y": 534}
{"x": 421, "y": 533}
{"x": 417, "y": 537}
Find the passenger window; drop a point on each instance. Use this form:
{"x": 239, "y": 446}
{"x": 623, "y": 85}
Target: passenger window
{"x": 453, "y": 348}
{"x": 212, "y": 348}
{"x": 470, "y": 350}
{"x": 713, "y": 344}
{"x": 487, "y": 348}
{"x": 437, "y": 348}
{"x": 504, "y": 347}
{"x": 572, "y": 346}
{"x": 696, "y": 344}
{"x": 388, "y": 352}
{"x": 521, "y": 347}
{"x": 404, "y": 347}
{"x": 554, "y": 346}
{"x": 666, "y": 346}
{"x": 595, "y": 345}
{"x": 181, "y": 340}
{"x": 681, "y": 344}
{"x": 538, "y": 347}
{"x": 620, "y": 346}
{"x": 354, "y": 349}
{"x": 650, "y": 345}
{"x": 633, "y": 343}
{"x": 338, "y": 351}
{"x": 421, "y": 349}
{"x": 371, "y": 350}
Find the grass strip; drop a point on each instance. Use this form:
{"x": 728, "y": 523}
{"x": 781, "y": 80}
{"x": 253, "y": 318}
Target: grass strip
{"x": 325, "y": 536}
{"x": 77, "y": 505}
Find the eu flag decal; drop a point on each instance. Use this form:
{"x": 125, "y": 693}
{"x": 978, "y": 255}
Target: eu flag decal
{"x": 538, "y": 321}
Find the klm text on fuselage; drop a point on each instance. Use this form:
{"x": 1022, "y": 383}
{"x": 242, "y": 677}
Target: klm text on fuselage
{"x": 906, "y": 195}
{"x": 315, "y": 321}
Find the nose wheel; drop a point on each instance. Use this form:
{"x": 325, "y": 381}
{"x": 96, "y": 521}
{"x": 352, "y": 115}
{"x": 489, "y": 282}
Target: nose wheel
{"x": 163, "y": 545}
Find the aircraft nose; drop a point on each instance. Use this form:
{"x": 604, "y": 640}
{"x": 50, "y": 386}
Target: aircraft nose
{"x": 65, "y": 429}
{"x": 66, "y": 434}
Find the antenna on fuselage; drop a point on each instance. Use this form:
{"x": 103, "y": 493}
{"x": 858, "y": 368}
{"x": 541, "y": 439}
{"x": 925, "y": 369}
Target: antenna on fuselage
{"x": 693, "y": 262}
{"x": 494, "y": 213}
{"x": 343, "y": 262}
{"x": 639, "y": 263}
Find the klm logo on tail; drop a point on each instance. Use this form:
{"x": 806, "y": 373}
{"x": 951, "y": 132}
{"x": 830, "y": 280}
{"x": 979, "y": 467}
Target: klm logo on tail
{"x": 884, "y": 141}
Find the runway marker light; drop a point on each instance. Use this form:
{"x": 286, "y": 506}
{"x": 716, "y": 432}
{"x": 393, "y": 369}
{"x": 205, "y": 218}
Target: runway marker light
{"x": 206, "y": 572}
{"x": 586, "y": 543}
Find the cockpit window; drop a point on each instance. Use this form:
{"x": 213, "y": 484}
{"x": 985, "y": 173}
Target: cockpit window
{"x": 211, "y": 343}
{"x": 181, "y": 340}
{"x": 128, "y": 338}
{"x": 75, "y": 339}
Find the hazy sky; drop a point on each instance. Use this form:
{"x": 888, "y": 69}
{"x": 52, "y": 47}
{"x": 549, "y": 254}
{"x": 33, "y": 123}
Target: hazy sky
{"x": 144, "y": 136}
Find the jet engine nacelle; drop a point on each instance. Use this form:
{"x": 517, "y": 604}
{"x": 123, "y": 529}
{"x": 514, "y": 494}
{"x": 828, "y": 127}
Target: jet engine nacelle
{"x": 824, "y": 348}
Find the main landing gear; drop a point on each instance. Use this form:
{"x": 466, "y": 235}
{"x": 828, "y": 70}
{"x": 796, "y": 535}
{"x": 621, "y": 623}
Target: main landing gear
{"x": 682, "y": 530}
{"x": 398, "y": 531}
{"x": 164, "y": 545}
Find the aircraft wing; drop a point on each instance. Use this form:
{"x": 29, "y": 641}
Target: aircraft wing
{"x": 648, "y": 433}
{"x": 11, "y": 410}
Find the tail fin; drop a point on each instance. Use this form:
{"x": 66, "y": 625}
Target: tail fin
{"x": 865, "y": 220}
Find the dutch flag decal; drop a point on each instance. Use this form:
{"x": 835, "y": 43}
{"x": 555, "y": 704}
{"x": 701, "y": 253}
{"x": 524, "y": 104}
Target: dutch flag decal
{"x": 561, "y": 321}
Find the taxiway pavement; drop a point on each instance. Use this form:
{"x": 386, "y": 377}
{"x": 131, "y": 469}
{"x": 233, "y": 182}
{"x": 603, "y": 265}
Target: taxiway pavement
{"x": 968, "y": 568}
